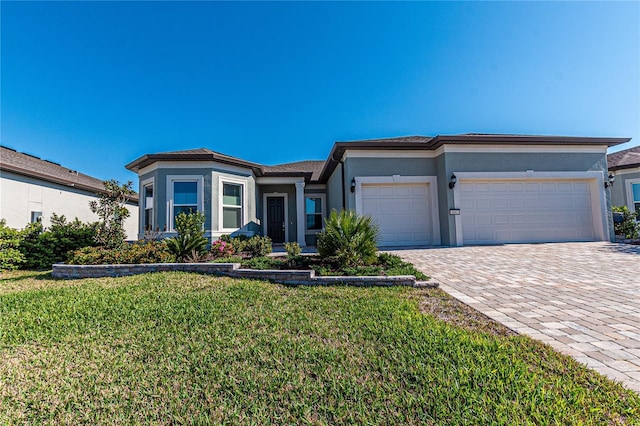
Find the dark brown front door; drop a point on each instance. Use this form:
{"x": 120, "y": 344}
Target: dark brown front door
{"x": 275, "y": 219}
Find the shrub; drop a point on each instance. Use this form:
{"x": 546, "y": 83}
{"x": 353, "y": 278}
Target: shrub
{"x": 10, "y": 256}
{"x": 229, "y": 259}
{"x": 257, "y": 246}
{"x": 44, "y": 247}
{"x": 144, "y": 252}
{"x": 394, "y": 265}
{"x": 293, "y": 249}
{"x": 112, "y": 211}
{"x": 627, "y": 225}
{"x": 262, "y": 262}
{"x": 349, "y": 238}
{"x": 221, "y": 248}
{"x": 237, "y": 243}
{"x": 190, "y": 238}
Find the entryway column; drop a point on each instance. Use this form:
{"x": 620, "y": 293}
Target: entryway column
{"x": 300, "y": 216}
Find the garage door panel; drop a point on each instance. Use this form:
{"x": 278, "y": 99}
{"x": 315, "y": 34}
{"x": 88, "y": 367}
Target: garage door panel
{"x": 402, "y": 212}
{"x": 506, "y": 211}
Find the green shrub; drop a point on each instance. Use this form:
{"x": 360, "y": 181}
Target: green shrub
{"x": 257, "y": 246}
{"x": 628, "y": 227}
{"x": 44, "y": 247}
{"x": 190, "y": 238}
{"x": 236, "y": 242}
{"x": 293, "y": 249}
{"x": 144, "y": 252}
{"x": 394, "y": 265}
{"x": 262, "y": 262}
{"x": 349, "y": 238}
{"x": 229, "y": 259}
{"x": 370, "y": 270}
{"x": 10, "y": 256}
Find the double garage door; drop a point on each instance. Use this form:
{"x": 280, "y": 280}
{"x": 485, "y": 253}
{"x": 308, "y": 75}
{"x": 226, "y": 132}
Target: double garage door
{"x": 519, "y": 211}
{"x": 491, "y": 211}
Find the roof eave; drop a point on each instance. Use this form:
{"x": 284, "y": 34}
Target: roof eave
{"x": 58, "y": 181}
{"x": 624, "y": 166}
{"x": 148, "y": 159}
{"x": 524, "y": 140}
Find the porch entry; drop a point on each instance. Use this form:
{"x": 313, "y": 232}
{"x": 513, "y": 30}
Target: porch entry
{"x": 276, "y": 222}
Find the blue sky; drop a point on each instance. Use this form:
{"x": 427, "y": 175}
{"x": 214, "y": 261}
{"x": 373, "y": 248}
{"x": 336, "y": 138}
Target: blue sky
{"x": 95, "y": 85}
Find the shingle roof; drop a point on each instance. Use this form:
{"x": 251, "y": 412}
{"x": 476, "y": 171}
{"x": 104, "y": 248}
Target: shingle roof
{"x": 312, "y": 167}
{"x": 32, "y": 166}
{"x": 626, "y": 159}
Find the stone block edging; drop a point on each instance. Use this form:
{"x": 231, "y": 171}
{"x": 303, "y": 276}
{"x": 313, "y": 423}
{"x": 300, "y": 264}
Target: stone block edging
{"x": 289, "y": 277}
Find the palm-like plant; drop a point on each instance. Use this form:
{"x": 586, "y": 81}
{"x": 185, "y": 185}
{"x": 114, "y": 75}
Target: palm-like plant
{"x": 349, "y": 238}
{"x": 190, "y": 238}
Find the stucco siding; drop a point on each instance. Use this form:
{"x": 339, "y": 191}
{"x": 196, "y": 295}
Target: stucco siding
{"x": 211, "y": 179}
{"x": 520, "y": 162}
{"x": 21, "y": 195}
{"x": 619, "y": 196}
{"x": 334, "y": 192}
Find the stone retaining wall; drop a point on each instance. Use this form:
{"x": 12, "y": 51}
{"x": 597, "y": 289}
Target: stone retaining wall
{"x": 291, "y": 277}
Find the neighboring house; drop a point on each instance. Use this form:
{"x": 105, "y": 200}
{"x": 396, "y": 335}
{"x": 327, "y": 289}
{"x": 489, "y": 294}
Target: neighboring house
{"x": 625, "y": 165}
{"x": 32, "y": 190}
{"x": 443, "y": 190}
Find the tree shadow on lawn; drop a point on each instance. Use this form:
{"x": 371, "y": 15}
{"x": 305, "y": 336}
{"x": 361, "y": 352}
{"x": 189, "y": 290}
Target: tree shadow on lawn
{"x": 14, "y": 276}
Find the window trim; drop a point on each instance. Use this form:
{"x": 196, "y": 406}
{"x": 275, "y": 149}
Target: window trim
{"x": 323, "y": 197}
{"x": 199, "y": 179}
{"x": 143, "y": 184}
{"x": 630, "y": 200}
{"x": 244, "y": 207}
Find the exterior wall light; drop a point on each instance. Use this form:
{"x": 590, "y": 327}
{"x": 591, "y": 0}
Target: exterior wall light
{"x": 353, "y": 184}
{"x": 452, "y": 181}
{"x": 610, "y": 181}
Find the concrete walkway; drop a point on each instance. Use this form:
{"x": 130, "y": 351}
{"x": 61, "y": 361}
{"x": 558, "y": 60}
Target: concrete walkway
{"x": 581, "y": 298}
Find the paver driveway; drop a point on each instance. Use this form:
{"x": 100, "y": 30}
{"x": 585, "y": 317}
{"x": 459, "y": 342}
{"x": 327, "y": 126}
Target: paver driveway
{"x": 581, "y": 298}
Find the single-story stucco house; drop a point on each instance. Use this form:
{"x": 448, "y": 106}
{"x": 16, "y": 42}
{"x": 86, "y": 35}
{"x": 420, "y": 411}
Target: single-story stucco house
{"x": 32, "y": 189}
{"x": 442, "y": 190}
{"x": 625, "y": 166}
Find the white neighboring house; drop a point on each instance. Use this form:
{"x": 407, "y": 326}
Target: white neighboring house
{"x": 32, "y": 189}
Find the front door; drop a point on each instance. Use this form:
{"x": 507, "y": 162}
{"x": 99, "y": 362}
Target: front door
{"x": 275, "y": 219}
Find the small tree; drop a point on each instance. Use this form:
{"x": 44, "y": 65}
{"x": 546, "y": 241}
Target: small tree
{"x": 190, "y": 240}
{"x": 112, "y": 211}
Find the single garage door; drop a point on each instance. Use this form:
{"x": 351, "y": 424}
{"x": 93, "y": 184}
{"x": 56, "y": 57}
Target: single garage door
{"x": 401, "y": 211}
{"x": 519, "y": 211}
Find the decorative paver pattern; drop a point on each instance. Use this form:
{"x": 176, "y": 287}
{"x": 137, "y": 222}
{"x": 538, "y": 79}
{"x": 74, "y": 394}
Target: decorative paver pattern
{"x": 581, "y": 298}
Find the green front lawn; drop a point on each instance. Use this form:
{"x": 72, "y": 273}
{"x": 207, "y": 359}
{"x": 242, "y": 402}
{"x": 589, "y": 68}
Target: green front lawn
{"x": 174, "y": 348}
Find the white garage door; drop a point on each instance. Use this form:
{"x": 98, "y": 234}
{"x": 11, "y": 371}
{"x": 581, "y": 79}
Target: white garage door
{"x": 401, "y": 211}
{"x": 518, "y": 211}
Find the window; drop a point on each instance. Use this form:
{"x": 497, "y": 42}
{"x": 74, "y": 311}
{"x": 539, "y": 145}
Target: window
{"x": 36, "y": 217}
{"x": 314, "y": 210}
{"x": 635, "y": 197}
{"x": 231, "y": 206}
{"x": 184, "y": 195}
{"x": 147, "y": 193}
